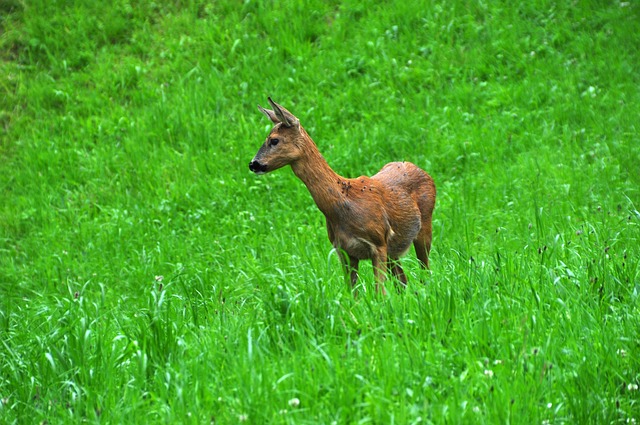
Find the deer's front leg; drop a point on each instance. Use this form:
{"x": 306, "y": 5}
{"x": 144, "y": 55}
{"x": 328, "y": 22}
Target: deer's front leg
{"x": 349, "y": 267}
{"x": 379, "y": 261}
{"x": 397, "y": 271}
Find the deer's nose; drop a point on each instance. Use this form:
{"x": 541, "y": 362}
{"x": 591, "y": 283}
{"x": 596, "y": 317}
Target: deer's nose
{"x": 257, "y": 167}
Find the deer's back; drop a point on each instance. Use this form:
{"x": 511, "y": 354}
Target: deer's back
{"x": 410, "y": 201}
{"x": 412, "y": 180}
{"x": 388, "y": 208}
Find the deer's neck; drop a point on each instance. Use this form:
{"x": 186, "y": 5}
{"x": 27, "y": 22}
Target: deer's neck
{"x": 323, "y": 183}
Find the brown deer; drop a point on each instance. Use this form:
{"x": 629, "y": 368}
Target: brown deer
{"x": 374, "y": 218}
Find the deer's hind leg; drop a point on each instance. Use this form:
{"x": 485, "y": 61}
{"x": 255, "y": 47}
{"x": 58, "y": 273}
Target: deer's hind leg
{"x": 422, "y": 242}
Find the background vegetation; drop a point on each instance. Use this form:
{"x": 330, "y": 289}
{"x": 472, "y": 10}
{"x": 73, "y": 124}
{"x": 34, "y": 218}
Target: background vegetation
{"x": 146, "y": 276}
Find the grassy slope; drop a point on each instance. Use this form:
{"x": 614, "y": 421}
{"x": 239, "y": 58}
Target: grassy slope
{"x": 126, "y": 133}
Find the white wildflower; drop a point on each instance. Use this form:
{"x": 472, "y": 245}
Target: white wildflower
{"x": 294, "y": 402}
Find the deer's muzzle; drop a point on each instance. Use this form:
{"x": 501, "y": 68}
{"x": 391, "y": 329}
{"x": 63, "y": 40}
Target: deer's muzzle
{"x": 257, "y": 167}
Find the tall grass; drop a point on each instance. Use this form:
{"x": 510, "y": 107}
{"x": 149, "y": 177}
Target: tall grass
{"x": 147, "y": 277}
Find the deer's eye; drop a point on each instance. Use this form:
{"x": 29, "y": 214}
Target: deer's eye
{"x": 274, "y": 141}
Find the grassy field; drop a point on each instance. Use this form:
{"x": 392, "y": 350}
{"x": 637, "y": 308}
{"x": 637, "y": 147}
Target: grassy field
{"x": 146, "y": 276}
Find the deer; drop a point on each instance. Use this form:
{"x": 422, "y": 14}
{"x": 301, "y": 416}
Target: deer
{"x": 368, "y": 218}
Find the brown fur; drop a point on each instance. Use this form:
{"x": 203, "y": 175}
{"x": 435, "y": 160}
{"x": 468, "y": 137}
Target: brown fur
{"x": 376, "y": 218}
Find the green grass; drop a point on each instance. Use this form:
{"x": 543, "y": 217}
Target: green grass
{"x": 146, "y": 276}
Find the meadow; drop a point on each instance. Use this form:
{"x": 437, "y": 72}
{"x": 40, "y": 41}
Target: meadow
{"x": 147, "y": 276}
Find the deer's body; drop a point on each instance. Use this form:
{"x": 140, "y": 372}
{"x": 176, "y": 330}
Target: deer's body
{"x": 376, "y": 218}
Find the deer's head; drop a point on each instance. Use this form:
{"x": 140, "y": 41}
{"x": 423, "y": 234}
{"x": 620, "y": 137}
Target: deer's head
{"x": 284, "y": 144}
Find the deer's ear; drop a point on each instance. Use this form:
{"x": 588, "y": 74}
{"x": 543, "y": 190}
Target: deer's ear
{"x": 270, "y": 114}
{"x": 285, "y": 117}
